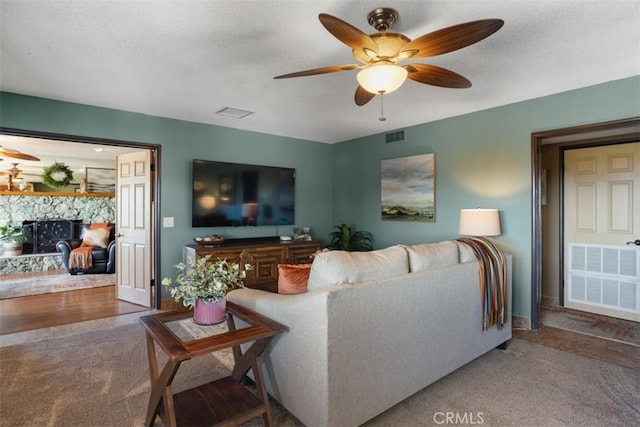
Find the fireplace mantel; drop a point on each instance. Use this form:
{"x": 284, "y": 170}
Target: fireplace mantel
{"x": 54, "y": 193}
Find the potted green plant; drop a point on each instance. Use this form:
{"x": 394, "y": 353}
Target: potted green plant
{"x": 12, "y": 238}
{"x": 345, "y": 238}
{"x": 203, "y": 286}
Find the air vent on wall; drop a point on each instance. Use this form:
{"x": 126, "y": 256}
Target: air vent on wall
{"x": 395, "y": 136}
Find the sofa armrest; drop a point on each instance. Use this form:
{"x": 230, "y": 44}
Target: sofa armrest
{"x": 111, "y": 260}
{"x": 65, "y": 247}
{"x": 295, "y": 364}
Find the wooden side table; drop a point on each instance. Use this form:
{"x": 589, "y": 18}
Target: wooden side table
{"x": 224, "y": 401}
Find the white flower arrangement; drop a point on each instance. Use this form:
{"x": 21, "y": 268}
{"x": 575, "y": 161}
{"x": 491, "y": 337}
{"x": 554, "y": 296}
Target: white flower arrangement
{"x": 207, "y": 280}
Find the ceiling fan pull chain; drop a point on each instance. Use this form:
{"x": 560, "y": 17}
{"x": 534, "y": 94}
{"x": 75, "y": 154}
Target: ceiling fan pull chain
{"x": 382, "y": 118}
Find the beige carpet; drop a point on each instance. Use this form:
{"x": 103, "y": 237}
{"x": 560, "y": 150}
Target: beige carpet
{"x": 100, "y": 379}
{"x": 21, "y": 285}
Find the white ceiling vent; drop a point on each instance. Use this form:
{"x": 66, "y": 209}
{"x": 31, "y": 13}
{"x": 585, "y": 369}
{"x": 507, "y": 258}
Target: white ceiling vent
{"x": 234, "y": 112}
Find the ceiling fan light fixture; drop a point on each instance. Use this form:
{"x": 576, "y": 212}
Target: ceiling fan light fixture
{"x": 382, "y": 78}
{"x": 379, "y": 53}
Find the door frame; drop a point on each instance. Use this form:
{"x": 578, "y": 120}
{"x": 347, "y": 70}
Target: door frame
{"x": 155, "y": 181}
{"x": 605, "y": 133}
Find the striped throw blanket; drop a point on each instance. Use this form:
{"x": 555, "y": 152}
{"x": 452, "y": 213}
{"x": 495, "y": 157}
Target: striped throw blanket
{"x": 493, "y": 280}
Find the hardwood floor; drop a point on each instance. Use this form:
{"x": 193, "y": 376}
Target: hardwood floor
{"x": 606, "y": 350}
{"x": 590, "y": 335}
{"x": 625, "y": 331}
{"x": 61, "y": 308}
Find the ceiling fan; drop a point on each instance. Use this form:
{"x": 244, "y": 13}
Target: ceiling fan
{"x": 380, "y": 53}
{"x": 16, "y": 154}
{"x": 14, "y": 172}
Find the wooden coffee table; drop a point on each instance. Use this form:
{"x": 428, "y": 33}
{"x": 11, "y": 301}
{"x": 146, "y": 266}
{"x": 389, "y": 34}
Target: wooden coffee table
{"x": 225, "y": 401}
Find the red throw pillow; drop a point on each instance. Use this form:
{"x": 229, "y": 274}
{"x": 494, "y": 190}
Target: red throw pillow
{"x": 292, "y": 278}
{"x": 96, "y": 225}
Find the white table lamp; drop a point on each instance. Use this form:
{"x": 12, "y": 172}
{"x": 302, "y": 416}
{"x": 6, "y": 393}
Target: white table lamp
{"x": 479, "y": 222}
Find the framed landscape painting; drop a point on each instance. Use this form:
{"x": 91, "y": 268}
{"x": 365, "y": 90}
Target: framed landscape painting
{"x": 100, "y": 180}
{"x": 408, "y": 190}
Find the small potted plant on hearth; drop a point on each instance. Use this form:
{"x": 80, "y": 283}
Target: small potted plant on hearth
{"x": 203, "y": 285}
{"x": 12, "y": 238}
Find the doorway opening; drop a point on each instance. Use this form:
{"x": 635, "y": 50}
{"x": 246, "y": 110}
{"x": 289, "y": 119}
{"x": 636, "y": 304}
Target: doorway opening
{"x": 600, "y": 194}
{"x": 548, "y": 257}
{"x": 153, "y": 200}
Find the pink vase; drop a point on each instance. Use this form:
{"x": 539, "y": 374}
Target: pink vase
{"x": 209, "y": 313}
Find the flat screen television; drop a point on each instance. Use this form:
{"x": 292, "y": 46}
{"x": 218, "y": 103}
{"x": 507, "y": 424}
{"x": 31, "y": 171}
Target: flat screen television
{"x": 233, "y": 194}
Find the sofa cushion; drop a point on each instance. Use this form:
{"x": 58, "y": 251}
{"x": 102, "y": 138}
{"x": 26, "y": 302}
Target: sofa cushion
{"x": 432, "y": 255}
{"x": 336, "y": 267}
{"x": 466, "y": 253}
{"x": 293, "y": 278}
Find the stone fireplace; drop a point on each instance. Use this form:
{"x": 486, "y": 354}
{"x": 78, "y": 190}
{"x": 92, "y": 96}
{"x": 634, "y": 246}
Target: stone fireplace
{"x": 47, "y": 218}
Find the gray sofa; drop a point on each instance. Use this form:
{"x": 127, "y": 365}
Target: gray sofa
{"x": 373, "y": 329}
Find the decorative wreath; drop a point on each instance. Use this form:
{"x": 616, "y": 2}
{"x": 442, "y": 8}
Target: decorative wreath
{"x": 50, "y": 173}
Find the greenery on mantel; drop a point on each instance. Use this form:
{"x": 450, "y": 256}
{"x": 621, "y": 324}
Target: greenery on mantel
{"x": 57, "y": 175}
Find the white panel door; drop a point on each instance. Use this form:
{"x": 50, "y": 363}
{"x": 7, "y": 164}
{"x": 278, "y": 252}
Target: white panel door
{"x": 601, "y": 215}
{"x": 134, "y": 228}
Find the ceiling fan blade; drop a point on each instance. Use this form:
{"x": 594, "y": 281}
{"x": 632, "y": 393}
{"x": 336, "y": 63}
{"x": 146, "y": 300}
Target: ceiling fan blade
{"x": 347, "y": 33}
{"x": 452, "y": 38}
{"x": 436, "y": 76}
{"x": 323, "y": 70}
{"x": 16, "y": 154}
{"x": 363, "y": 96}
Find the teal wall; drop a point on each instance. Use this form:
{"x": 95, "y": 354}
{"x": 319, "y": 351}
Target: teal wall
{"x": 483, "y": 159}
{"x": 181, "y": 142}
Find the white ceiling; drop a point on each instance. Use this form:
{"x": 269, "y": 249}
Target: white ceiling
{"x": 189, "y": 59}
{"x": 76, "y": 156}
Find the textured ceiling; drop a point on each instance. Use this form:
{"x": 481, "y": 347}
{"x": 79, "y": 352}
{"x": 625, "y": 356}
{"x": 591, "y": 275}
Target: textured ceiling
{"x": 189, "y": 59}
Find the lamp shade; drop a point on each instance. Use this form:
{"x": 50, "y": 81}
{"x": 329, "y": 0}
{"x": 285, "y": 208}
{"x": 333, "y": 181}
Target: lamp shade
{"x": 382, "y": 78}
{"x": 479, "y": 222}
